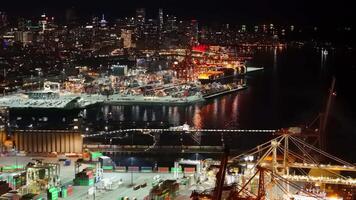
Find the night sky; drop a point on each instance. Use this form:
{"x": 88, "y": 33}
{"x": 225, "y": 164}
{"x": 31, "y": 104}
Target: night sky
{"x": 310, "y": 12}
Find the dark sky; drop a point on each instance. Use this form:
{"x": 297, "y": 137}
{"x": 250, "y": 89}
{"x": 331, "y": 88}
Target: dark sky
{"x": 230, "y": 11}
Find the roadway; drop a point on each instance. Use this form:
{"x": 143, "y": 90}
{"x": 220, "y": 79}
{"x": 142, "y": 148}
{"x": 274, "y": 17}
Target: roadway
{"x": 124, "y": 190}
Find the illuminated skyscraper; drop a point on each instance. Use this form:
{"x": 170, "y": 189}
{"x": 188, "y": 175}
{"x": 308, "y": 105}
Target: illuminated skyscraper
{"x": 126, "y": 36}
{"x": 160, "y": 15}
{"x": 243, "y": 28}
{"x": 43, "y": 22}
{"x": 140, "y": 22}
{"x": 103, "y": 22}
{"x": 24, "y": 37}
{"x": 171, "y": 24}
{"x": 140, "y": 16}
{"x": 161, "y": 23}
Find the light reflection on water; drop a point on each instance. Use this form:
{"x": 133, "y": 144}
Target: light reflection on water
{"x": 286, "y": 93}
{"x": 221, "y": 112}
{"x": 260, "y": 106}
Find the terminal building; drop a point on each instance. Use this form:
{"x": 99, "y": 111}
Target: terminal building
{"x": 42, "y": 141}
{"x": 38, "y": 140}
{"x": 48, "y": 141}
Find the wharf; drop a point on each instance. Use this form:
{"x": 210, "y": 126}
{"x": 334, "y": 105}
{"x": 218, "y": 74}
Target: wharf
{"x": 211, "y": 95}
{"x": 253, "y": 69}
{"x": 155, "y": 149}
{"x": 72, "y": 100}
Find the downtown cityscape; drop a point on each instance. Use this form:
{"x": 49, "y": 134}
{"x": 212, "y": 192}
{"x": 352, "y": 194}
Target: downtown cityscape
{"x": 181, "y": 100}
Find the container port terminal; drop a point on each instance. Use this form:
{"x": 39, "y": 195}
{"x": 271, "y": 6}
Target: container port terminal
{"x": 285, "y": 163}
{"x": 181, "y": 100}
{"x": 54, "y": 98}
{"x": 77, "y": 164}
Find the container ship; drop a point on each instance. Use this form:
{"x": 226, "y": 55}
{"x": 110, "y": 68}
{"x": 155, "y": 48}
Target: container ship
{"x": 221, "y": 74}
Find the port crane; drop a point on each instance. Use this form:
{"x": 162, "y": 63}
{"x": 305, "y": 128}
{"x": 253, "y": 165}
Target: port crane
{"x": 280, "y": 165}
{"x": 288, "y": 152}
{"x": 266, "y": 179}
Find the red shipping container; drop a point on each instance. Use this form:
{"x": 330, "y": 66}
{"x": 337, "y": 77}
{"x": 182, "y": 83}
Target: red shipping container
{"x": 163, "y": 169}
{"x": 70, "y": 190}
{"x": 189, "y": 170}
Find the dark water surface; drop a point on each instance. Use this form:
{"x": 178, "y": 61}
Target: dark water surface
{"x": 290, "y": 91}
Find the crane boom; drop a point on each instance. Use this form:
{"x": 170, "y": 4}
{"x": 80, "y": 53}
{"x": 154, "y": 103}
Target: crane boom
{"x": 221, "y": 175}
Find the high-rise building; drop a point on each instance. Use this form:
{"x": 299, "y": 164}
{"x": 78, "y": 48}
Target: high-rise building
{"x": 140, "y": 22}
{"x": 46, "y": 23}
{"x": 194, "y": 29}
{"x": 256, "y": 28}
{"x": 21, "y": 24}
{"x": 160, "y": 16}
{"x": 103, "y": 21}
{"x": 292, "y": 28}
{"x": 140, "y": 16}
{"x": 119, "y": 70}
{"x": 126, "y": 36}
{"x": 171, "y": 24}
{"x": 150, "y": 36}
{"x": 24, "y": 37}
{"x": 161, "y": 23}
{"x": 243, "y": 28}
{"x": 3, "y": 19}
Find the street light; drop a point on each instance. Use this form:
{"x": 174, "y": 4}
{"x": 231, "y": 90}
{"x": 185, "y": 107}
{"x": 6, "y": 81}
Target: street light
{"x": 110, "y": 143}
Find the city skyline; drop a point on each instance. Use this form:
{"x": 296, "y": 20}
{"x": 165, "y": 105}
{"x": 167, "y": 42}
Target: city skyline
{"x": 185, "y": 99}
{"x": 298, "y": 12}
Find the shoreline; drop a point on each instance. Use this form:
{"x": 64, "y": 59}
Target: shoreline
{"x": 80, "y": 101}
{"x": 86, "y": 100}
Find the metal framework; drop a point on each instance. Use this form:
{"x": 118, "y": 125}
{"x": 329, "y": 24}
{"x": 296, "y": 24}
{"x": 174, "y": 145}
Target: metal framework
{"x": 287, "y": 152}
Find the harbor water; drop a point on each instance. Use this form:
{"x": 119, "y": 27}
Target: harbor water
{"x": 290, "y": 91}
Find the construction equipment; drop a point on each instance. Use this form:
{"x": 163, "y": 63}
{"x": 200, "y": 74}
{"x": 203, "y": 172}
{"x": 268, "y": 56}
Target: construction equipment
{"x": 42, "y": 176}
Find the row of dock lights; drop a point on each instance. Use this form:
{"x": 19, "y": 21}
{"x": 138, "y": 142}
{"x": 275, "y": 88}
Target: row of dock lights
{"x": 107, "y": 132}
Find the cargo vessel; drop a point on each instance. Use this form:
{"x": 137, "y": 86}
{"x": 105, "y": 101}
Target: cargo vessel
{"x": 222, "y": 74}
